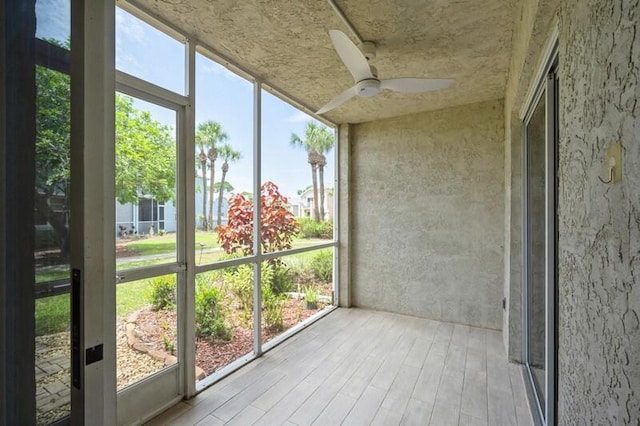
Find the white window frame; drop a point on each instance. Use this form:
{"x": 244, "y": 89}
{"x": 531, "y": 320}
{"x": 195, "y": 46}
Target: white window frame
{"x": 194, "y": 45}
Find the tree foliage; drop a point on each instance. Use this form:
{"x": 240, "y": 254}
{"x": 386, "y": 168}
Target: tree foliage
{"x": 145, "y": 148}
{"x": 278, "y": 225}
{"x": 145, "y": 151}
{"x": 53, "y": 160}
{"x": 145, "y": 155}
{"x": 317, "y": 142}
{"x": 228, "y": 187}
{"x": 53, "y": 129}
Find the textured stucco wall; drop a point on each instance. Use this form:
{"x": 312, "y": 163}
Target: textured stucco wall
{"x": 427, "y": 205}
{"x": 599, "y": 225}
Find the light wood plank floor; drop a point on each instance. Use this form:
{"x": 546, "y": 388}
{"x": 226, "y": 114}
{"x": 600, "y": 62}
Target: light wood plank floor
{"x": 360, "y": 367}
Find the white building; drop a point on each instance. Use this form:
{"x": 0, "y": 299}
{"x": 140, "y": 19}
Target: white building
{"x": 303, "y": 206}
{"x": 137, "y": 219}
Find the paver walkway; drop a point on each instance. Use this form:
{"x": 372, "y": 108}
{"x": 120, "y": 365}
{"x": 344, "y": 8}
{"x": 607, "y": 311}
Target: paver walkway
{"x": 53, "y": 377}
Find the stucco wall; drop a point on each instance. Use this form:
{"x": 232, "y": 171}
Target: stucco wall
{"x": 427, "y": 212}
{"x": 599, "y": 225}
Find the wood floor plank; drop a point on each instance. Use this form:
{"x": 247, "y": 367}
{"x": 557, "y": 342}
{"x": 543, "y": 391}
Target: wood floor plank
{"x": 280, "y": 412}
{"x": 387, "y": 372}
{"x": 426, "y": 388}
{"x": 417, "y": 413}
{"x": 268, "y": 399}
{"x": 476, "y": 364}
{"x": 366, "y": 407}
{"x": 340, "y": 359}
{"x": 203, "y": 409}
{"x": 443, "y": 333}
{"x": 359, "y": 381}
{"x": 235, "y": 405}
{"x": 523, "y": 413}
{"x": 401, "y": 389}
{"x": 337, "y": 354}
{"x": 460, "y": 335}
{"x": 495, "y": 344}
{"x": 477, "y": 339}
{"x": 467, "y": 420}
{"x": 474, "y": 398}
{"x": 497, "y": 374}
{"x": 210, "y": 420}
{"x": 246, "y": 417}
{"x": 336, "y": 410}
{"x": 450, "y": 390}
{"x": 418, "y": 352}
{"x": 386, "y": 417}
{"x": 316, "y": 403}
{"x": 501, "y": 410}
{"x": 445, "y": 414}
{"x": 358, "y": 366}
{"x": 456, "y": 359}
{"x": 170, "y": 414}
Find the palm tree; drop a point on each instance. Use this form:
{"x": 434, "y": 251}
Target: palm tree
{"x": 317, "y": 141}
{"x": 228, "y": 187}
{"x": 227, "y": 153}
{"x": 203, "y": 166}
{"x": 208, "y": 136}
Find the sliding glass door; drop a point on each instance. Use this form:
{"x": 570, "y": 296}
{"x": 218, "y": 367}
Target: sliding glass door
{"x": 540, "y": 241}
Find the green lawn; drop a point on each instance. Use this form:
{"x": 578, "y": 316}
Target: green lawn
{"x": 131, "y": 296}
{"x": 43, "y": 277}
{"x": 204, "y": 240}
{"x": 167, "y": 243}
{"x": 52, "y": 313}
{"x": 153, "y": 245}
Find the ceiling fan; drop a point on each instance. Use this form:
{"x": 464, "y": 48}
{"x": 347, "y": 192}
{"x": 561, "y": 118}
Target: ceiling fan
{"x": 366, "y": 76}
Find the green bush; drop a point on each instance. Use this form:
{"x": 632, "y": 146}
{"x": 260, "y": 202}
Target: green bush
{"x": 210, "y": 315}
{"x": 309, "y": 228}
{"x": 240, "y": 282}
{"x": 327, "y": 230}
{"x": 281, "y": 277}
{"x": 310, "y": 295}
{"x": 241, "y": 285}
{"x": 163, "y": 292}
{"x": 322, "y": 265}
{"x": 273, "y": 311}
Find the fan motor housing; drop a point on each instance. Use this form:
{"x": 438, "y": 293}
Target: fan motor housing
{"x": 368, "y": 88}
{"x": 368, "y": 49}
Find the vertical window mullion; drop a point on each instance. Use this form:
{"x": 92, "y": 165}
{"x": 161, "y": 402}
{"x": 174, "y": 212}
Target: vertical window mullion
{"x": 189, "y": 355}
{"x": 257, "y": 246}
{"x": 550, "y": 249}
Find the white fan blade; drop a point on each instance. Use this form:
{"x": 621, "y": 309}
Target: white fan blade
{"x": 338, "y": 100}
{"x": 415, "y": 85}
{"x": 352, "y": 57}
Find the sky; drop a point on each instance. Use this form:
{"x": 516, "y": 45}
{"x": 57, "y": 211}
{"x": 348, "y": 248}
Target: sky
{"x": 221, "y": 95}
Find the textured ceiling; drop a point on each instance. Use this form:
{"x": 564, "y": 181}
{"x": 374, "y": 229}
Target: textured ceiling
{"x": 285, "y": 43}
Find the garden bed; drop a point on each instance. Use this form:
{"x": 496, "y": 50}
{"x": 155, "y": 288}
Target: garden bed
{"x": 155, "y": 330}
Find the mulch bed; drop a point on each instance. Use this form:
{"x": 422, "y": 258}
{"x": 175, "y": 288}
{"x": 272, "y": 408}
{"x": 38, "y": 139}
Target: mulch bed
{"x": 157, "y": 330}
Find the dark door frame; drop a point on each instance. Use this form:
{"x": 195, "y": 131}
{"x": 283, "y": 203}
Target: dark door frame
{"x": 17, "y": 191}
